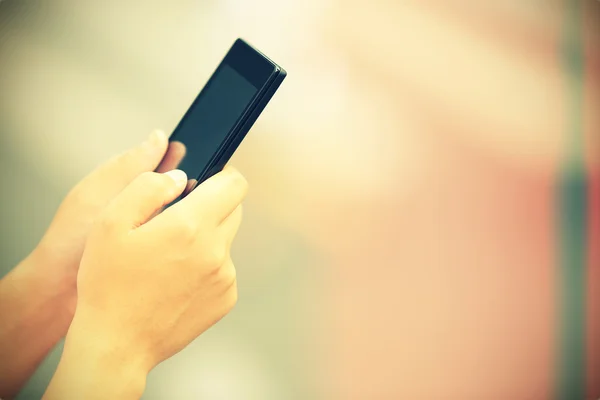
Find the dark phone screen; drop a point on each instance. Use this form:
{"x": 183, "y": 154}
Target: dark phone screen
{"x": 211, "y": 118}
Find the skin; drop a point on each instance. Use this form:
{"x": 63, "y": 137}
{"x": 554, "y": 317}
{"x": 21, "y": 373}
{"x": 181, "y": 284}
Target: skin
{"x": 109, "y": 246}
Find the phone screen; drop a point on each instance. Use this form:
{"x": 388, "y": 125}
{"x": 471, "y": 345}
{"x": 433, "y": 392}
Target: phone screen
{"x": 211, "y": 117}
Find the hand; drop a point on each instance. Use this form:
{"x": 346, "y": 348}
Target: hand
{"x": 37, "y": 298}
{"x": 62, "y": 245}
{"x": 149, "y": 285}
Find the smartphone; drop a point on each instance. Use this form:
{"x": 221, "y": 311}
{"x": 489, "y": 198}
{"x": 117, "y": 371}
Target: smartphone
{"x": 224, "y": 111}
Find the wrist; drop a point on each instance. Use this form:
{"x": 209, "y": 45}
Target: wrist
{"x": 89, "y": 332}
{"x": 30, "y": 288}
{"x": 33, "y": 320}
{"x": 52, "y": 280}
{"x": 94, "y": 365}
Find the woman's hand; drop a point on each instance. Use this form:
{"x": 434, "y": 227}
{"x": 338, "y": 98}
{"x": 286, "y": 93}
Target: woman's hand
{"x": 62, "y": 245}
{"x": 37, "y": 298}
{"x": 148, "y": 285}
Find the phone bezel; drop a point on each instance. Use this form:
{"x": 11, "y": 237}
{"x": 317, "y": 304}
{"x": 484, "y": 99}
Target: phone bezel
{"x": 257, "y": 69}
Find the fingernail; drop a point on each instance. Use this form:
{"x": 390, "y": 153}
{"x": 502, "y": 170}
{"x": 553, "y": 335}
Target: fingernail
{"x": 156, "y": 138}
{"x": 178, "y": 176}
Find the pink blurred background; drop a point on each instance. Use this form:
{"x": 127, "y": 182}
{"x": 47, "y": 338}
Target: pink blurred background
{"x": 400, "y": 239}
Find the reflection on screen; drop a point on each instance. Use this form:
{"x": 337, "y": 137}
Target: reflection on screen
{"x": 210, "y": 119}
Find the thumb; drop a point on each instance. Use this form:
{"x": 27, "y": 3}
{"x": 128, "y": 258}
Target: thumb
{"x": 119, "y": 171}
{"x": 144, "y": 196}
{"x": 142, "y": 158}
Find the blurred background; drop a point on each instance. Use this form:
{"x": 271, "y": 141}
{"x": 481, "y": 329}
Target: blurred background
{"x": 424, "y": 213}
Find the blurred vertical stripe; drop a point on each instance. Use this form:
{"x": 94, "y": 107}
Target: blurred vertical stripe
{"x": 572, "y": 216}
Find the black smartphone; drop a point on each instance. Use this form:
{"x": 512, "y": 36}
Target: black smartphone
{"x": 223, "y": 112}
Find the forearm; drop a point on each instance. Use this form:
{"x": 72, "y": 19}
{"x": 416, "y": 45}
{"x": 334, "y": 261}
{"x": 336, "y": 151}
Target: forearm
{"x": 93, "y": 367}
{"x": 33, "y": 318}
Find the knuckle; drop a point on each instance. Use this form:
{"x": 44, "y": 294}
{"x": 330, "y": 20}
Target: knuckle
{"x": 239, "y": 211}
{"x": 215, "y": 257}
{"x": 184, "y": 226}
{"x": 228, "y": 275}
{"x": 239, "y": 182}
{"x": 231, "y": 298}
{"x": 148, "y": 178}
{"x": 85, "y": 194}
{"x": 121, "y": 164}
{"x": 129, "y": 159}
{"x": 107, "y": 223}
{"x": 114, "y": 163}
